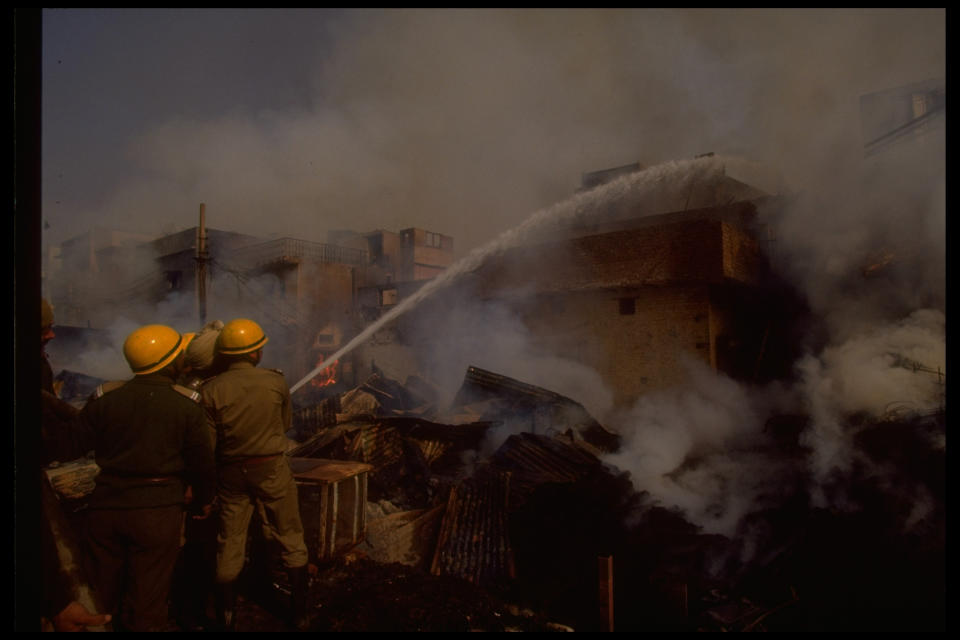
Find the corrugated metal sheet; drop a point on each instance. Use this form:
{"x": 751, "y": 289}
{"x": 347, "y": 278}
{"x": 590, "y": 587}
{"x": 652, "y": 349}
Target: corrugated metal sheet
{"x": 310, "y": 420}
{"x": 331, "y": 442}
{"x": 535, "y": 460}
{"x": 376, "y": 445}
{"x": 542, "y": 409}
{"x": 474, "y": 543}
{"x": 432, "y": 449}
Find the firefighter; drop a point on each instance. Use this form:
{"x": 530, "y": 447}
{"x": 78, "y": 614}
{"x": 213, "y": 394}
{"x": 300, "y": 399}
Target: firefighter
{"x": 248, "y": 409}
{"x": 151, "y": 442}
{"x": 63, "y": 584}
{"x": 193, "y": 581}
{"x": 200, "y": 361}
{"x": 56, "y": 416}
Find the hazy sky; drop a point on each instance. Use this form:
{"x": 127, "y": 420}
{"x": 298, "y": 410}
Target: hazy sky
{"x": 296, "y": 121}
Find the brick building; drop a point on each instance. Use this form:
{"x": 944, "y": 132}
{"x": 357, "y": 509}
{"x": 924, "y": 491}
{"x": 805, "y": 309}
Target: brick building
{"x": 629, "y": 302}
{"x": 631, "y": 286}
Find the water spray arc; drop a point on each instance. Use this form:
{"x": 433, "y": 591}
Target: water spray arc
{"x": 680, "y": 175}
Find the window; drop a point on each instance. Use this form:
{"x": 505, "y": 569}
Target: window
{"x": 375, "y": 244}
{"x": 433, "y": 240}
{"x": 174, "y": 280}
{"x": 388, "y": 297}
{"x": 628, "y": 306}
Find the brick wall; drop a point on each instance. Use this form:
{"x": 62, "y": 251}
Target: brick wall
{"x": 634, "y": 352}
{"x": 681, "y": 252}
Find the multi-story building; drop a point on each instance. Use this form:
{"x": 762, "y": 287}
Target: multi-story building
{"x": 305, "y": 294}
{"x": 631, "y": 289}
{"x": 82, "y": 274}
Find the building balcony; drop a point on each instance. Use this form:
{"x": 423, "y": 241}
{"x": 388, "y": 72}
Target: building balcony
{"x": 290, "y": 251}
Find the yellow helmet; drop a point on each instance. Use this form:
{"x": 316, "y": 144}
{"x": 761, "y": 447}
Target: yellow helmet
{"x": 151, "y": 348}
{"x": 46, "y": 314}
{"x": 240, "y": 336}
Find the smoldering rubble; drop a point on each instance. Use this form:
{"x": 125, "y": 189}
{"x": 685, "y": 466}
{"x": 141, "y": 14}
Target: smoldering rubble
{"x": 499, "y": 512}
{"x": 509, "y": 509}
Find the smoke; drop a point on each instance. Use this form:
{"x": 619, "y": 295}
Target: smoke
{"x": 705, "y": 449}
{"x": 459, "y": 121}
{"x": 464, "y": 121}
{"x": 874, "y": 373}
{"x": 131, "y": 290}
{"x": 701, "y": 448}
{"x": 458, "y": 330}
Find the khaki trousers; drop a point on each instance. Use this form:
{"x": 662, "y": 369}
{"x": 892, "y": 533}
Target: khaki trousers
{"x": 269, "y": 487}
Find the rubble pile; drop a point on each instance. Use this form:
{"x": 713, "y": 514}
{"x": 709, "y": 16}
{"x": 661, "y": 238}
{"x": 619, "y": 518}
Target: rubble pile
{"x": 452, "y": 536}
{"x": 492, "y": 514}
{"x": 355, "y": 593}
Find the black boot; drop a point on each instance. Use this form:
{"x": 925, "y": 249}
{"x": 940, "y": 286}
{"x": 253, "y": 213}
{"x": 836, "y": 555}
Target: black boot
{"x": 299, "y": 583}
{"x": 225, "y": 601}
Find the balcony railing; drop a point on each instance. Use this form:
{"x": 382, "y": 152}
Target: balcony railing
{"x": 293, "y": 250}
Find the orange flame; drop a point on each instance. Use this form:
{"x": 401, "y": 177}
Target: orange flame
{"x": 882, "y": 260}
{"x": 327, "y": 376}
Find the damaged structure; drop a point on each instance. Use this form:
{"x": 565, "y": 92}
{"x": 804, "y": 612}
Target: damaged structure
{"x": 498, "y": 513}
{"x": 631, "y": 290}
{"x": 312, "y": 297}
{"x": 507, "y": 492}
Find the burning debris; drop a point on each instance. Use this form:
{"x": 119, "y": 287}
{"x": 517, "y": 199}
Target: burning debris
{"x": 877, "y": 262}
{"x": 492, "y": 513}
{"x": 327, "y": 375}
{"x": 526, "y": 523}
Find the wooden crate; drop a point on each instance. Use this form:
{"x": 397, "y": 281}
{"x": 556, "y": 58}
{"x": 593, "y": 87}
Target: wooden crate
{"x": 333, "y": 499}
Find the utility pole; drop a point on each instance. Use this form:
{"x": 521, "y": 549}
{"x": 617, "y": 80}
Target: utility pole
{"x": 202, "y": 267}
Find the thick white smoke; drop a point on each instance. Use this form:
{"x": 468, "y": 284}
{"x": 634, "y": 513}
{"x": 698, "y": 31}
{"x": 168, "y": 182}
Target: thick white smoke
{"x": 701, "y": 448}
{"x": 883, "y": 371}
{"x": 491, "y": 335}
{"x": 458, "y": 121}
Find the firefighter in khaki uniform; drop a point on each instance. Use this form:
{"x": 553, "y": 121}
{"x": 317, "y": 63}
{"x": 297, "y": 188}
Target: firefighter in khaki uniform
{"x": 248, "y": 408}
{"x": 193, "y": 580}
{"x": 151, "y": 442}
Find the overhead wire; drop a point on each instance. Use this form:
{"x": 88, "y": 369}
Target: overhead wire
{"x": 244, "y": 280}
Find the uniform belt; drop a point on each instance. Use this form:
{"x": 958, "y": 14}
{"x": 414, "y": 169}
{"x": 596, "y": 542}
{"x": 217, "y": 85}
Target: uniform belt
{"x": 151, "y": 479}
{"x": 252, "y": 459}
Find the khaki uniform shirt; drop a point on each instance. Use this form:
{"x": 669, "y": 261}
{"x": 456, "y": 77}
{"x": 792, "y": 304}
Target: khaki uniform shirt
{"x": 248, "y": 411}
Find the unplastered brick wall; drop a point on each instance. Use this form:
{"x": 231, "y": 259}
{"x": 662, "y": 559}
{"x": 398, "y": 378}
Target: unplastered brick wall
{"x": 679, "y": 252}
{"x": 634, "y": 352}
{"x": 742, "y": 258}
